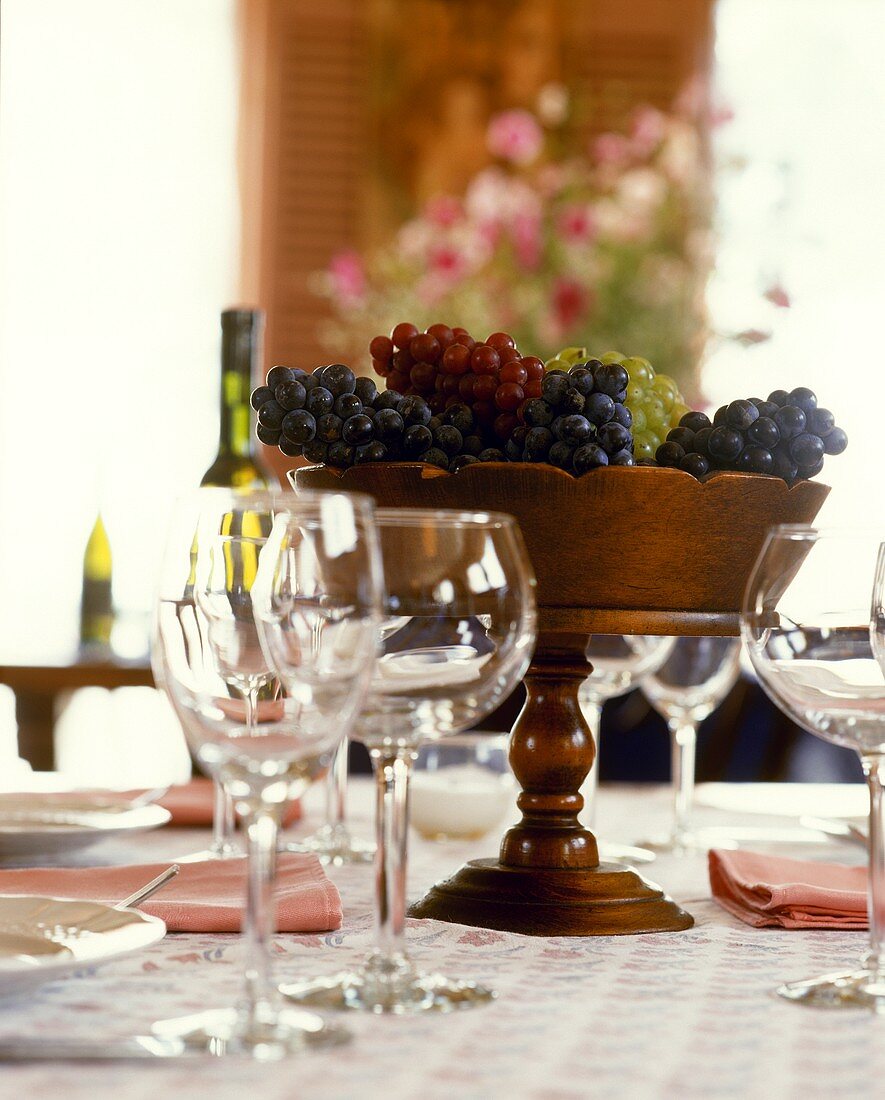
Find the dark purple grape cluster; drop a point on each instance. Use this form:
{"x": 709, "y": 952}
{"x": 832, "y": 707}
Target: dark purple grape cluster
{"x": 786, "y": 436}
{"x": 579, "y": 423}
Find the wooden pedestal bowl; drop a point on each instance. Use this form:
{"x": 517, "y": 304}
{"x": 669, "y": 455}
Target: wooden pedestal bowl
{"x": 621, "y": 550}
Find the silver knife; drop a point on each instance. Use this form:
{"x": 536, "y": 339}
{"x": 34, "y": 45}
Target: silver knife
{"x": 133, "y": 1048}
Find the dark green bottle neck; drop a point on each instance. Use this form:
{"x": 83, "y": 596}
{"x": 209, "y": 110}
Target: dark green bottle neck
{"x": 238, "y": 350}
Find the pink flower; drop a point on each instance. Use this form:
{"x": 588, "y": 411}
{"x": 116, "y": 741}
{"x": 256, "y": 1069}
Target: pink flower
{"x": 515, "y": 136}
{"x": 526, "y": 234}
{"x": 447, "y": 263}
{"x": 777, "y": 296}
{"x": 569, "y": 301}
{"x": 348, "y": 276}
{"x": 751, "y": 336}
{"x": 611, "y": 149}
{"x": 443, "y": 211}
{"x": 648, "y": 130}
{"x": 576, "y": 224}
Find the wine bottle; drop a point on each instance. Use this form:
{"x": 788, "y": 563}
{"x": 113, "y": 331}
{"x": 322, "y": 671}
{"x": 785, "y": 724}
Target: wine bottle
{"x": 96, "y": 602}
{"x": 237, "y": 463}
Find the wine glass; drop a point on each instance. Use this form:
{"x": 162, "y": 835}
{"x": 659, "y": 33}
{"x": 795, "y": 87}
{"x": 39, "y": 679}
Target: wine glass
{"x": 619, "y": 664}
{"x": 812, "y": 638}
{"x": 267, "y": 746}
{"x": 457, "y": 637}
{"x": 694, "y": 679}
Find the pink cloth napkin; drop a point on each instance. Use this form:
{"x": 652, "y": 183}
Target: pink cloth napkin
{"x": 193, "y": 804}
{"x": 203, "y": 897}
{"x": 773, "y": 892}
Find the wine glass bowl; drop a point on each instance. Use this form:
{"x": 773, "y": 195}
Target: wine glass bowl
{"x": 812, "y": 636}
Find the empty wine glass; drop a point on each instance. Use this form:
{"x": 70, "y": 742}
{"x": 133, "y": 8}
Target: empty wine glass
{"x": 693, "y": 680}
{"x": 457, "y": 637}
{"x": 811, "y": 637}
{"x": 268, "y": 746}
{"x": 619, "y": 664}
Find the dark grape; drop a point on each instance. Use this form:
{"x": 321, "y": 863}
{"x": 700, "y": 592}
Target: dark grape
{"x": 622, "y": 458}
{"x": 724, "y": 444}
{"x": 514, "y": 446}
{"x": 365, "y": 389}
{"x": 315, "y": 451}
{"x": 329, "y": 428}
{"x": 347, "y": 405}
{"x": 560, "y": 455}
{"x": 319, "y": 401}
{"x": 460, "y": 461}
{"x": 614, "y": 437}
{"x": 835, "y": 442}
{"x": 669, "y": 454}
{"x": 599, "y": 408}
{"x": 573, "y": 402}
{"x": 695, "y": 421}
{"x": 338, "y": 379}
{"x": 581, "y": 380}
{"x": 576, "y": 430}
{"x": 537, "y": 413}
{"x": 472, "y": 445}
{"x": 806, "y": 449}
{"x": 755, "y": 460}
{"x": 719, "y": 416}
{"x": 766, "y": 408}
{"x": 683, "y": 436}
{"x": 260, "y": 396}
{"x": 491, "y": 454}
{"x": 448, "y": 439}
{"x": 790, "y": 421}
{"x": 299, "y": 426}
{"x": 589, "y": 457}
{"x": 694, "y": 464}
{"x": 436, "y": 457}
{"x": 371, "y": 452}
{"x": 804, "y": 399}
{"x": 276, "y": 375}
{"x": 811, "y": 471}
{"x": 294, "y": 450}
{"x": 340, "y": 454}
{"x": 388, "y": 424}
{"x": 783, "y": 466}
{"x": 417, "y": 439}
{"x": 271, "y": 415}
{"x": 388, "y": 399}
{"x": 740, "y": 415}
{"x": 291, "y": 395}
{"x": 622, "y": 415}
{"x": 460, "y": 417}
{"x": 821, "y": 422}
{"x": 268, "y": 436}
{"x": 765, "y": 432}
{"x": 414, "y": 410}
{"x": 310, "y": 382}
{"x": 358, "y": 430}
{"x": 779, "y": 398}
{"x": 701, "y": 439}
{"x": 610, "y": 378}
{"x": 537, "y": 443}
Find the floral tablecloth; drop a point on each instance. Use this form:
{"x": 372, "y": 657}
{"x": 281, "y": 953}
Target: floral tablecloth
{"x": 688, "y": 1014}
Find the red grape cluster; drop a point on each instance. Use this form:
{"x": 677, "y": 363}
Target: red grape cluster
{"x": 447, "y": 367}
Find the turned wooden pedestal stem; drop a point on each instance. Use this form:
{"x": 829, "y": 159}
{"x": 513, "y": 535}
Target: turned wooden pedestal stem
{"x": 548, "y": 879}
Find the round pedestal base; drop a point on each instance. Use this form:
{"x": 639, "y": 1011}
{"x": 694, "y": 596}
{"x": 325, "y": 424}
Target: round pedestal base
{"x": 607, "y": 900}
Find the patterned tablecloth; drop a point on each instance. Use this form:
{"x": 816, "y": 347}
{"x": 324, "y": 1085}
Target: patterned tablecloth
{"x": 688, "y": 1014}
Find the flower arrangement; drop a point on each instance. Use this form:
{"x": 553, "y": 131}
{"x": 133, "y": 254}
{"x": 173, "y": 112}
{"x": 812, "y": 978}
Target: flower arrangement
{"x": 609, "y": 248}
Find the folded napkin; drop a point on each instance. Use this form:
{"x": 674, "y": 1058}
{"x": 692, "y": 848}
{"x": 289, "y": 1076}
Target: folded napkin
{"x": 193, "y": 803}
{"x": 203, "y": 897}
{"x": 773, "y": 892}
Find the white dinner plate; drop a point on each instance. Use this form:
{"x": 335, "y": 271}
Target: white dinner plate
{"x": 42, "y": 827}
{"x": 787, "y": 799}
{"x": 42, "y": 939}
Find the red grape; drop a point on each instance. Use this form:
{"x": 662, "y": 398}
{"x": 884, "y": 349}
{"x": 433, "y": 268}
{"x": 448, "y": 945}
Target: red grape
{"x": 514, "y": 372}
{"x": 422, "y": 376}
{"x": 508, "y": 355}
{"x": 382, "y": 368}
{"x": 501, "y": 340}
{"x": 403, "y": 361}
{"x": 485, "y": 360}
{"x": 465, "y": 387}
{"x": 534, "y": 366}
{"x": 505, "y": 424}
{"x": 509, "y": 396}
{"x": 439, "y": 383}
{"x": 425, "y": 348}
{"x": 403, "y": 334}
{"x": 437, "y": 403}
{"x": 456, "y": 359}
{"x": 452, "y": 399}
{"x": 485, "y": 412}
{"x": 451, "y": 384}
{"x": 462, "y": 336}
{"x": 484, "y": 387}
{"x": 398, "y": 381}
{"x": 532, "y": 388}
{"x": 381, "y": 348}
{"x": 444, "y": 334}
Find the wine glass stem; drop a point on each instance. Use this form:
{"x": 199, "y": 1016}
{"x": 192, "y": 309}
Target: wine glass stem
{"x": 874, "y": 770}
{"x": 590, "y": 787}
{"x": 250, "y": 699}
{"x": 259, "y": 918}
{"x": 222, "y": 819}
{"x": 683, "y": 739}
{"x": 336, "y": 789}
{"x": 392, "y": 773}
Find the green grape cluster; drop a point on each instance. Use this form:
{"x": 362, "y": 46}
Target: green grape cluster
{"x": 653, "y": 399}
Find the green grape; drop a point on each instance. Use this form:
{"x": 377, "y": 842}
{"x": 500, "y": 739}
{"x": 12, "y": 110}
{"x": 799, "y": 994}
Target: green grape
{"x": 557, "y": 364}
{"x": 643, "y": 445}
{"x": 640, "y": 370}
{"x": 654, "y": 439}
{"x": 611, "y": 357}
{"x": 666, "y": 389}
{"x": 656, "y": 414}
{"x": 640, "y": 420}
{"x": 573, "y": 355}
{"x": 635, "y": 394}
{"x": 677, "y": 412}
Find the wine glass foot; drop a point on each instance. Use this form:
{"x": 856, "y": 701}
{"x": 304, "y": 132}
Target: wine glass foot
{"x": 214, "y": 851}
{"x": 380, "y": 987}
{"x": 334, "y": 846}
{"x": 856, "y": 989}
{"x": 267, "y": 1035}
{"x": 623, "y": 853}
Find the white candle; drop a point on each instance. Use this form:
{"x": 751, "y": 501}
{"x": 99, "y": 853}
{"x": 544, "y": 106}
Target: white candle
{"x": 464, "y": 800}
